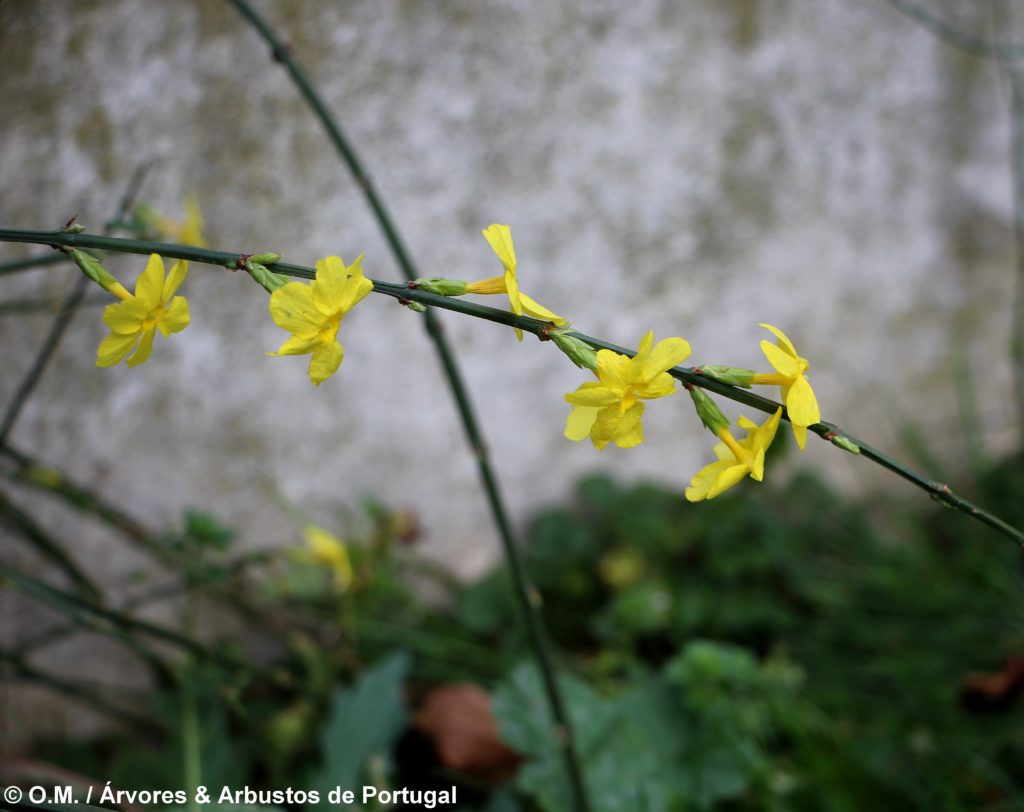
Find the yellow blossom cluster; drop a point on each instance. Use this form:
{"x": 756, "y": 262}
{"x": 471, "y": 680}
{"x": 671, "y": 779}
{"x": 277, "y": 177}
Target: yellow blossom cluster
{"x": 608, "y": 410}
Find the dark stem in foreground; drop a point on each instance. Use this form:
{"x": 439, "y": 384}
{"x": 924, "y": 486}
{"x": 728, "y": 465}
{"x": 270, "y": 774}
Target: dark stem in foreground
{"x": 526, "y": 594}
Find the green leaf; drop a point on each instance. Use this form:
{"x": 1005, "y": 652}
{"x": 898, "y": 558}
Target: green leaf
{"x": 364, "y": 722}
{"x": 208, "y": 530}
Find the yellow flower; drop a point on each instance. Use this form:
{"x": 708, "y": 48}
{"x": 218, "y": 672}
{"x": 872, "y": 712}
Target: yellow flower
{"x": 312, "y": 313}
{"x": 500, "y": 239}
{"x": 152, "y": 308}
{"x": 188, "y": 233}
{"x": 736, "y": 459}
{"x": 609, "y": 410}
{"x": 327, "y": 550}
{"x": 801, "y": 405}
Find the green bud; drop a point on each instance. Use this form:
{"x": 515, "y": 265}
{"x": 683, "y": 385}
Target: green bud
{"x": 73, "y": 228}
{"x": 266, "y": 279}
{"x": 734, "y": 376}
{"x": 708, "y": 412}
{"x": 579, "y": 352}
{"x": 93, "y": 268}
{"x": 440, "y": 285}
{"x": 415, "y": 307}
{"x": 845, "y": 443}
{"x": 268, "y": 258}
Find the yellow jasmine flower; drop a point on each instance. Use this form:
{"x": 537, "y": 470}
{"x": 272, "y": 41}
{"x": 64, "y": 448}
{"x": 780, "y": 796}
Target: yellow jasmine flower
{"x": 736, "y": 459}
{"x": 327, "y": 550}
{"x": 500, "y": 239}
{"x": 313, "y": 313}
{"x": 801, "y": 405}
{"x": 609, "y": 409}
{"x": 188, "y": 233}
{"x": 135, "y": 319}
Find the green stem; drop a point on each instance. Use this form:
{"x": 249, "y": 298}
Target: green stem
{"x": 109, "y": 619}
{"x": 29, "y": 471}
{"x": 23, "y": 670}
{"x": 954, "y": 37}
{"x": 22, "y": 523}
{"x": 526, "y": 594}
{"x": 29, "y": 263}
{"x": 18, "y": 307}
{"x": 1015, "y": 77}
{"x": 825, "y": 430}
{"x": 61, "y": 322}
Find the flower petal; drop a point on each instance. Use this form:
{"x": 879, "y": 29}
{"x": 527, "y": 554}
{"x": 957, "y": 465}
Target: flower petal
{"x": 192, "y": 231}
{"x": 538, "y": 311}
{"x": 579, "y": 422}
{"x": 296, "y": 346}
{"x": 660, "y": 386}
{"x": 623, "y": 429}
{"x": 512, "y": 287}
{"x": 614, "y": 370}
{"x": 175, "y": 317}
{"x": 784, "y": 363}
{"x": 757, "y": 467}
{"x": 174, "y": 279}
{"x": 669, "y": 352}
{"x": 114, "y": 348}
{"x": 499, "y": 237}
{"x": 727, "y": 478}
{"x": 801, "y": 404}
{"x": 765, "y": 433}
{"x": 326, "y": 359}
{"x": 126, "y": 317}
{"x": 292, "y": 309}
{"x": 329, "y": 285}
{"x": 784, "y": 341}
{"x": 800, "y": 433}
{"x": 630, "y": 431}
{"x": 592, "y": 393}
{"x": 145, "y": 348}
{"x": 700, "y": 485}
{"x": 488, "y": 287}
{"x": 150, "y": 284}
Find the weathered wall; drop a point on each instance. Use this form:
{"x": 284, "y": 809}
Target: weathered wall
{"x": 695, "y": 168}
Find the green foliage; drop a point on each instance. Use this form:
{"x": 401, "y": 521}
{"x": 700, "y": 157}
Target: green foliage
{"x": 771, "y": 649}
{"x": 688, "y": 737}
{"x": 364, "y": 723}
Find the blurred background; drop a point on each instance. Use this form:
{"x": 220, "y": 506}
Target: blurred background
{"x": 837, "y": 169}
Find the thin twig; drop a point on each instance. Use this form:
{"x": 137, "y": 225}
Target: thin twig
{"x": 62, "y": 321}
{"x": 34, "y": 306}
{"x": 1015, "y": 78}
{"x": 954, "y": 37}
{"x": 828, "y": 431}
{"x": 26, "y": 527}
{"x": 30, "y": 263}
{"x": 109, "y": 619}
{"x": 20, "y": 669}
{"x": 527, "y": 596}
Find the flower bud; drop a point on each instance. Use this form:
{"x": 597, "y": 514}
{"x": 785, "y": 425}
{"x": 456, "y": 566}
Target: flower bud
{"x": 734, "y": 376}
{"x": 266, "y": 279}
{"x": 579, "y": 352}
{"x": 845, "y": 443}
{"x": 708, "y": 412}
{"x": 440, "y": 285}
{"x": 415, "y": 307}
{"x": 94, "y": 269}
{"x": 268, "y": 258}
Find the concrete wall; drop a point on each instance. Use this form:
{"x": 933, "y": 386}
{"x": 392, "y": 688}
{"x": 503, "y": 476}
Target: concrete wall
{"x": 695, "y": 168}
